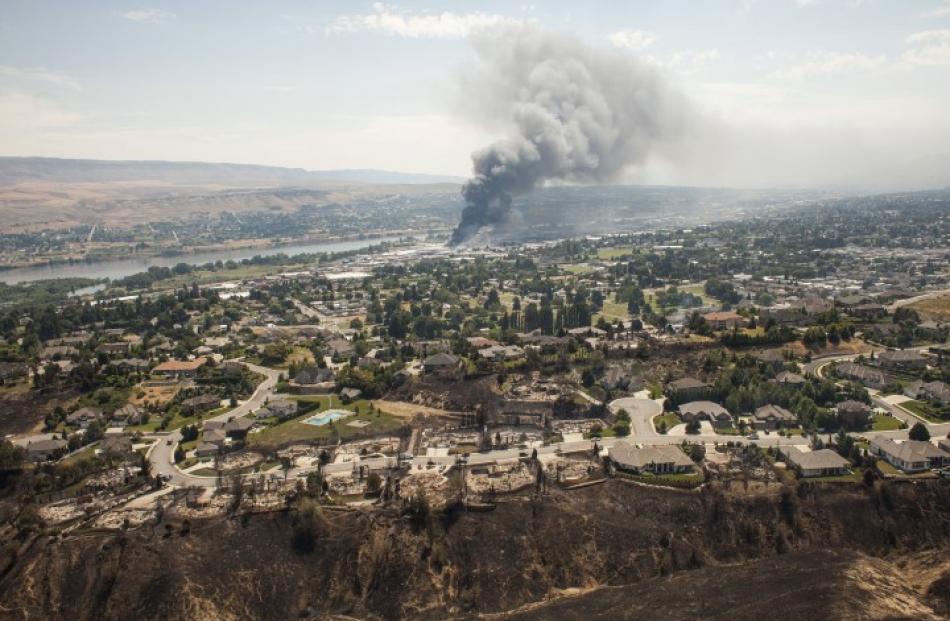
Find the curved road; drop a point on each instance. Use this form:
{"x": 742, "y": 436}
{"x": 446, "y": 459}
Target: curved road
{"x": 163, "y": 451}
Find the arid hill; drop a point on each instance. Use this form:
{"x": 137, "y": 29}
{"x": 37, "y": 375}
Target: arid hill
{"x": 617, "y": 549}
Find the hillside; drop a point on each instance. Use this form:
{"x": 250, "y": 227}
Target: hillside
{"x": 56, "y": 170}
{"x": 620, "y": 550}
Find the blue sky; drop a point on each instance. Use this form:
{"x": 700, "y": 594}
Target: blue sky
{"x": 346, "y": 84}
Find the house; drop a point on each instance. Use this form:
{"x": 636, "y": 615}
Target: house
{"x": 872, "y": 378}
{"x": 312, "y": 381}
{"x": 853, "y": 414}
{"x": 132, "y": 364}
{"x": 501, "y": 353}
{"x": 586, "y": 331}
{"x": 281, "y": 409}
{"x": 909, "y": 455}
{"x": 340, "y": 348}
{"x": 773, "y": 417}
{"x": 481, "y": 342}
{"x": 813, "y": 305}
{"x": 849, "y": 302}
{"x": 867, "y": 311}
{"x": 12, "y": 371}
{"x": 114, "y": 349}
{"x": 774, "y": 358}
{"x": 663, "y": 459}
{"x": 440, "y": 363}
{"x": 117, "y": 444}
{"x": 687, "y": 389}
{"x": 129, "y": 414}
{"x": 524, "y": 412}
{"x": 350, "y": 394}
{"x": 902, "y": 359}
{"x": 199, "y": 404}
{"x": 58, "y": 351}
{"x": 180, "y": 368}
{"x": 206, "y": 449}
{"x": 937, "y": 392}
{"x": 788, "y": 378}
{"x": 83, "y": 417}
{"x": 713, "y": 412}
{"x": 213, "y": 439}
{"x": 46, "y": 450}
{"x": 723, "y": 320}
{"x": 238, "y": 427}
{"x": 819, "y": 463}
{"x": 785, "y": 316}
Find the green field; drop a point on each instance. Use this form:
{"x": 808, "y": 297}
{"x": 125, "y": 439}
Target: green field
{"x": 612, "y": 311}
{"x": 614, "y": 252}
{"x": 886, "y": 423}
{"x": 296, "y": 430}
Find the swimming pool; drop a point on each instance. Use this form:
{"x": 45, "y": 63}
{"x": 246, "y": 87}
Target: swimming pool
{"x": 325, "y": 417}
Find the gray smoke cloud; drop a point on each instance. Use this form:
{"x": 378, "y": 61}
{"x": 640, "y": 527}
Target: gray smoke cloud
{"x": 575, "y": 114}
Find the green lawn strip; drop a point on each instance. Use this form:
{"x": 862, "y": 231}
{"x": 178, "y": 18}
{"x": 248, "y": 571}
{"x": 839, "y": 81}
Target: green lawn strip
{"x": 886, "y": 468}
{"x": 681, "y": 480}
{"x": 886, "y": 423}
{"x": 853, "y": 477}
{"x": 921, "y": 409}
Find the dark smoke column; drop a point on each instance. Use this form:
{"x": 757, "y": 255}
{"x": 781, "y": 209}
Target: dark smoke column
{"x": 578, "y": 114}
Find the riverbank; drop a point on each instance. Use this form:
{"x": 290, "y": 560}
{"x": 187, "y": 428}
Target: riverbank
{"x": 114, "y": 269}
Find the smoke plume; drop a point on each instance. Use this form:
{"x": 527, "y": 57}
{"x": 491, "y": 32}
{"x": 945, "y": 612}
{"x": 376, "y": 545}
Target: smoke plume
{"x": 574, "y": 113}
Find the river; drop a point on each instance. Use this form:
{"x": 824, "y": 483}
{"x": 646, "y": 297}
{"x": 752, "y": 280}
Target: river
{"x": 120, "y": 268}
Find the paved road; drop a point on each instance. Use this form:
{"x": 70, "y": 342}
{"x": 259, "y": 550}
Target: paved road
{"x": 641, "y": 413}
{"x": 163, "y": 450}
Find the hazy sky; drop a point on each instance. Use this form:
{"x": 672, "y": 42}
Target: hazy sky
{"x": 801, "y": 91}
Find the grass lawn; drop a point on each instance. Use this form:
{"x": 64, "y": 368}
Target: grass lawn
{"x": 886, "y": 468}
{"x": 205, "y": 472}
{"x": 296, "y": 430}
{"x": 683, "y": 480}
{"x": 614, "y": 252}
{"x": 669, "y": 418}
{"x": 612, "y": 311}
{"x": 698, "y": 289}
{"x": 921, "y": 409}
{"x": 87, "y": 453}
{"x": 855, "y": 477}
{"x": 886, "y": 423}
{"x": 578, "y": 268}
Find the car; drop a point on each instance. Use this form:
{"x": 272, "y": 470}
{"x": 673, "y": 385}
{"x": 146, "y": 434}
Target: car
{"x": 168, "y": 442}
{"x": 753, "y": 436}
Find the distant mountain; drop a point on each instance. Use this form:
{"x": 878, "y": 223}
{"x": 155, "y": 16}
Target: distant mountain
{"x": 25, "y": 169}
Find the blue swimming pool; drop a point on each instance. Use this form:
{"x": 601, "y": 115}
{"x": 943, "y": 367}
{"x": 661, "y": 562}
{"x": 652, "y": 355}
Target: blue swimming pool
{"x": 325, "y": 417}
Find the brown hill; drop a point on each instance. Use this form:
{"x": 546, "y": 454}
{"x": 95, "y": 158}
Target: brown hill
{"x": 824, "y": 552}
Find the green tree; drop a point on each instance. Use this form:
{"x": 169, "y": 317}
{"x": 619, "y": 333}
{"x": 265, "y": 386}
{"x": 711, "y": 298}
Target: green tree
{"x": 919, "y": 432}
